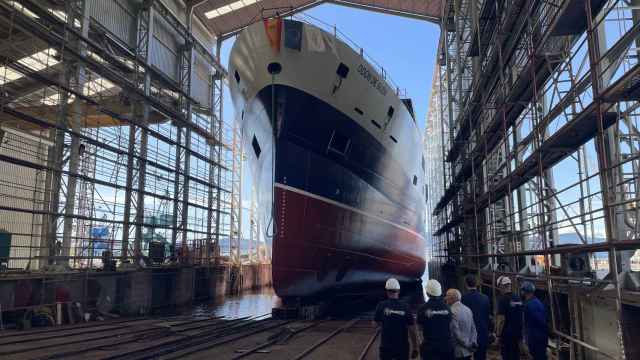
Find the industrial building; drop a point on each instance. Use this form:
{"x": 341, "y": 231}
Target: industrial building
{"x": 121, "y": 180}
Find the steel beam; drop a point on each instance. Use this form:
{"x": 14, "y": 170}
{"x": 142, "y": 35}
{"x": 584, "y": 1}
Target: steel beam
{"x": 219, "y": 121}
{"x": 76, "y": 11}
{"x": 186, "y": 61}
{"x": 387, "y": 10}
{"x": 136, "y": 170}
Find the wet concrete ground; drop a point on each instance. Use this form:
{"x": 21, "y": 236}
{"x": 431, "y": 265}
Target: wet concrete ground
{"x": 235, "y": 327}
{"x": 198, "y": 338}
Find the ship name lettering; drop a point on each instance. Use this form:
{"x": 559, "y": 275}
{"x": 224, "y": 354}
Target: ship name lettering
{"x": 372, "y": 79}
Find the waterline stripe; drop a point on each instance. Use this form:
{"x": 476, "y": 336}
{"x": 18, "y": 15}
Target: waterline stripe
{"x": 333, "y": 202}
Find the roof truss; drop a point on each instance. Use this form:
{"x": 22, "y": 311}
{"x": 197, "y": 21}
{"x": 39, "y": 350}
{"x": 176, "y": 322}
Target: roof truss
{"x": 227, "y": 17}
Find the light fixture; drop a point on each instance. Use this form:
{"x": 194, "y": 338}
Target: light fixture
{"x": 97, "y": 86}
{"x": 229, "y": 8}
{"x": 23, "y": 9}
{"x": 40, "y": 60}
{"x": 26, "y": 135}
{"x": 54, "y": 99}
{"x": 35, "y": 62}
{"x": 8, "y": 75}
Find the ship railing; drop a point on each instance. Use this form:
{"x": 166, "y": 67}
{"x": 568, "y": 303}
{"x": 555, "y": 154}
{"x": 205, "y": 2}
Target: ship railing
{"x": 332, "y": 29}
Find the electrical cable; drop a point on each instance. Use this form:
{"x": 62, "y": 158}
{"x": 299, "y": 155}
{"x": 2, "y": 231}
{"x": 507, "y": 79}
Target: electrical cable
{"x": 272, "y": 220}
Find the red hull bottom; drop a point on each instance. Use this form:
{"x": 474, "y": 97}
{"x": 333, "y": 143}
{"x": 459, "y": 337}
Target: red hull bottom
{"x": 322, "y": 245}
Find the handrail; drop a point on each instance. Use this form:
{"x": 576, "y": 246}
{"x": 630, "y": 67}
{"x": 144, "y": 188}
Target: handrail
{"x": 332, "y": 29}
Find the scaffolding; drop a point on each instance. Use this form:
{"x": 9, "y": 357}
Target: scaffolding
{"x": 112, "y": 139}
{"x": 534, "y": 145}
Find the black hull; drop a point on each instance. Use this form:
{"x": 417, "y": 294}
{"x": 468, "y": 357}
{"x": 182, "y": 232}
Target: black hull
{"x": 347, "y": 214}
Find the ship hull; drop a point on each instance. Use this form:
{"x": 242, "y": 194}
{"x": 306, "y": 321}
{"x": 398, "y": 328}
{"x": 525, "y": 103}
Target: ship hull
{"x": 316, "y": 254}
{"x": 342, "y": 205}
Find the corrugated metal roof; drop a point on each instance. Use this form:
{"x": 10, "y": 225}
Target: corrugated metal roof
{"x": 226, "y": 17}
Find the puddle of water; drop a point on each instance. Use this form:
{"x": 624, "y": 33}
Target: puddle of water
{"x": 248, "y": 303}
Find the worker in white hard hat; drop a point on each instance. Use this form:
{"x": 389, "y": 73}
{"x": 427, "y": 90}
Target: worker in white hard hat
{"x": 434, "y": 318}
{"x": 508, "y": 320}
{"x": 397, "y": 324}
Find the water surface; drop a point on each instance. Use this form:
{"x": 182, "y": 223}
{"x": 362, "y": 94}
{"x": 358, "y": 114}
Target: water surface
{"x": 248, "y": 303}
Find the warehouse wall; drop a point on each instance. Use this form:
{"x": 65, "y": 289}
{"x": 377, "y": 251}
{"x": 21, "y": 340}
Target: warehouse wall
{"x": 22, "y": 188}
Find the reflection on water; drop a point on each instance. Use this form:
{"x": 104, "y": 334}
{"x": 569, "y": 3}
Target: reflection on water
{"x": 248, "y": 303}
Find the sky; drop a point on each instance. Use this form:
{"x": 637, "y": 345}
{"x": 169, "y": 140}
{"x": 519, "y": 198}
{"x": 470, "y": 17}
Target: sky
{"x": 406, "y": 48}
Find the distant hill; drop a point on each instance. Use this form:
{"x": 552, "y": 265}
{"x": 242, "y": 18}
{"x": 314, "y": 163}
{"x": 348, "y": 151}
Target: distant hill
{"x": 573, "y": 238}
{"x": 244, "y": 244}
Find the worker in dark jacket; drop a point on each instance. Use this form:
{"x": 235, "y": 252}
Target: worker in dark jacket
{"x": 509, "y": 320}
{"x": 535, "y": 322}
{"x": 397, "y": 323}
{"x": 481, "y": 309}
{"x": 434, "y": 318}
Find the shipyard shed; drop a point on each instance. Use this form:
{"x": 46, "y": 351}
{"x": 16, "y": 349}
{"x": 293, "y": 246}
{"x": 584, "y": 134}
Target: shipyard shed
{"x": 121, "y": 179}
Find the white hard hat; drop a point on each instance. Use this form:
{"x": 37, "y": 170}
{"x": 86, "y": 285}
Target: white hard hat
{"x": 433, "y": 288}
{"x": 503, "y": 281}
{"x": 392, "y": 285}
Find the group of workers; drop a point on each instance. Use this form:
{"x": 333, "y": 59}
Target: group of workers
{"x": 460, "y": 327}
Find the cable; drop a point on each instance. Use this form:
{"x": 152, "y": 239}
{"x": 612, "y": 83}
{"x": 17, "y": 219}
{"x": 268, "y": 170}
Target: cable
{"x": 272, "y": 220}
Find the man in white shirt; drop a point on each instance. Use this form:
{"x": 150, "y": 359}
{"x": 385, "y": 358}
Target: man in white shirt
{"x": 463, "y": 328}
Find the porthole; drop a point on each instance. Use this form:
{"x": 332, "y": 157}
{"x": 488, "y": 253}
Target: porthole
{"x": 342, "y": 70}
{"x": 339, "y": 143}
{"x": 256, "y": 146}
{"x": 274, "y": 68}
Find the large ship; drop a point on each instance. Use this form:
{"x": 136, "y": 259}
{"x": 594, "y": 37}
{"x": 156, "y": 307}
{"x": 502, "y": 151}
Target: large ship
{"x": 336, "y": 160}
